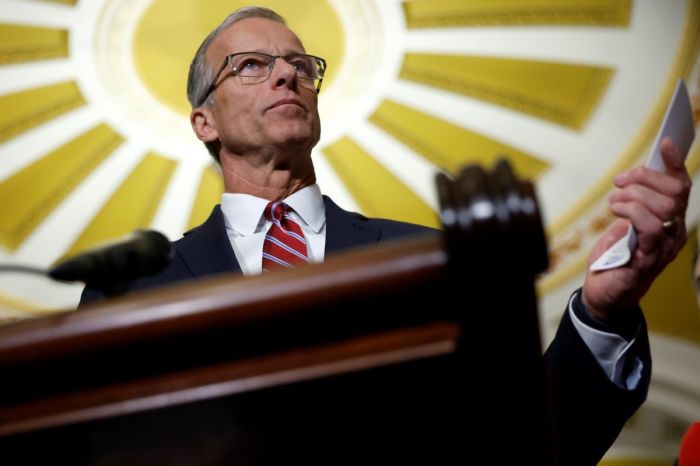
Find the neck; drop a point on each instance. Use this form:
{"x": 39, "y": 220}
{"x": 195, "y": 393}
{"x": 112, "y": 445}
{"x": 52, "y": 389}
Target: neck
{"x": 270, "y": 177}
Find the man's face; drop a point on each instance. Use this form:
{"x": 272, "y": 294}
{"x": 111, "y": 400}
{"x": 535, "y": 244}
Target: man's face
{"x": 280, "y": 112}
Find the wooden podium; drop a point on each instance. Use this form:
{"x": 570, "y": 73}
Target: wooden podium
{"x": 423, "y": 351}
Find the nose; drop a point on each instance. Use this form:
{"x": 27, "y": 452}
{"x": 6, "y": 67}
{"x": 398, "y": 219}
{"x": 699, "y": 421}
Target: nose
{"x": 283, "y": 74}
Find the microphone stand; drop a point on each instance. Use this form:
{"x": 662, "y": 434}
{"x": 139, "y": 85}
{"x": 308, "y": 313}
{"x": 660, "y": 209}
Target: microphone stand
{"x": 16, "y": 268}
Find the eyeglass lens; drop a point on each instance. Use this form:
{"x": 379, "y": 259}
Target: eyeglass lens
{"x": 257, "y": 65}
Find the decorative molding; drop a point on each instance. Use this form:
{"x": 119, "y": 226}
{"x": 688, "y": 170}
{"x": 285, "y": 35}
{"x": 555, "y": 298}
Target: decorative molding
{"x": 132, "y": 206}
{"x": 28, "y": 109}
{"x": 445, "y": 144}
{"x": 211, "y": 186}
{"x": 29, "y": 43}
{"x": 31, "y": 194}
{"x": 375, "y": 189}
{"x": 442, "y": 13}
{"x": 563, "y": 93}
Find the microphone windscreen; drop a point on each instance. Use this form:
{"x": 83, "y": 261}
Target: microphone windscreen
{"x": 141, "y": 254}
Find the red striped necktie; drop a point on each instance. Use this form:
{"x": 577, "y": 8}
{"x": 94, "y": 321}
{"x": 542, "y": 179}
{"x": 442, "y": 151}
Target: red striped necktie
{"x": 284, "y": 244}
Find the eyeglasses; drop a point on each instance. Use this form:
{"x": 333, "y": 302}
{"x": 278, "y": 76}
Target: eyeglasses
{"x": 256, "y": 67}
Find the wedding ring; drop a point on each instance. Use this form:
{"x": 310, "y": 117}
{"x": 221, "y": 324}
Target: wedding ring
{"x": 669, "y": 224}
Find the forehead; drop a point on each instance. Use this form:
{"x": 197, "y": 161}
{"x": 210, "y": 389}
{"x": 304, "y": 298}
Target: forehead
{"x": 255, "y": 35}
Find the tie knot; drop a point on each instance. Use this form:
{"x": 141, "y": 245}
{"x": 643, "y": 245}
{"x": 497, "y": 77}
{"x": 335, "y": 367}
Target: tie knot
{"x": 275, "y": 210}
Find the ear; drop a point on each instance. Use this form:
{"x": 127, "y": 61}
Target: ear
{"x": 203, "y": 124}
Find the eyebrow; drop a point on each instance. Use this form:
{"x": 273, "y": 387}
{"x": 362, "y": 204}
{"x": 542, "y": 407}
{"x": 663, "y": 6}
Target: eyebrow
{"x": 286, "y": 52}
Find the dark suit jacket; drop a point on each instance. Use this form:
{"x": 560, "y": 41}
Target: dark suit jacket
{"x": 590, "y": 410}
{"x": 206, "y": 249}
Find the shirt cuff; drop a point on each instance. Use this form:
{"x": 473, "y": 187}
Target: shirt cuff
{"x": 610, "y": 349}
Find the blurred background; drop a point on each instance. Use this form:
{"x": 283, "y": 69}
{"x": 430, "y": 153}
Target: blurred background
{"x": 95, "y": 139}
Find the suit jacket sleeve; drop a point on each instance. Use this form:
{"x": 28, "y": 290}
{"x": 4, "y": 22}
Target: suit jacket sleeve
{"x": 589, "y": 409}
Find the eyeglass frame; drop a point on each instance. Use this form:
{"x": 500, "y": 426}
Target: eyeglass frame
{"x": 227, "y": 62}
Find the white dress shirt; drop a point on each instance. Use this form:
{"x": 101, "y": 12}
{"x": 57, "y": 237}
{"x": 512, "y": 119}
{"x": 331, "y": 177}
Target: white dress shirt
{"x": 247, "y": 226}
{"x": 610, "y": 350}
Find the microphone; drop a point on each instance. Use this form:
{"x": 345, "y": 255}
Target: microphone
{"x": 111, "y": 267}
{"x": 689, "y": 454}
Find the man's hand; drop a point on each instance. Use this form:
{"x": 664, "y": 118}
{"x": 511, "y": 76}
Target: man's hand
{"x": 655, "y": 204}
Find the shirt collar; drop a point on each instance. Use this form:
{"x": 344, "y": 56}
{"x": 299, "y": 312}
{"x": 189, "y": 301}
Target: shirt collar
{"x": 243, "y": 213}
{"x": 309, "y": 206}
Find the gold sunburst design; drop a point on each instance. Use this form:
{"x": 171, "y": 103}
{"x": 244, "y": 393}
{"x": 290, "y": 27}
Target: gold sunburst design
{"x": 95, "y": 139}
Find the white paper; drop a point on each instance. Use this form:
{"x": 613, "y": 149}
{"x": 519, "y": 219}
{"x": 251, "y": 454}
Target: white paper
{"x": 678, "y": 125}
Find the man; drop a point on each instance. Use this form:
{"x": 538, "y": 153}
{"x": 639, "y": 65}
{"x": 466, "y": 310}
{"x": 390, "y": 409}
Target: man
{"x": 253, "y": 92}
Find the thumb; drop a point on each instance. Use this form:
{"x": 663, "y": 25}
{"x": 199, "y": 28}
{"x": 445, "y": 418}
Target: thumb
{"x": 672, "y": 156}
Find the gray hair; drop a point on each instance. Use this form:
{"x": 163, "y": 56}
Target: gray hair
{"x": 201, "y": 74}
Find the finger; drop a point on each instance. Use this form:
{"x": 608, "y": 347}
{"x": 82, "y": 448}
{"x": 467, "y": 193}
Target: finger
{"x": 676, "y": 185}
{"x": 649, "y": 228}
{"x": 661, "y": 205}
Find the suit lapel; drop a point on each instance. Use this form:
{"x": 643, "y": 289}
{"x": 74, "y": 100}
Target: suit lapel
{"x": 206, "y": 250}
{"x": 347, "y": 230}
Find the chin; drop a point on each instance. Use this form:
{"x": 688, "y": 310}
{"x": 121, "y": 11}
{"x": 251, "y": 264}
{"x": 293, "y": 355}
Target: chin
{"x": 296, "y": 137}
